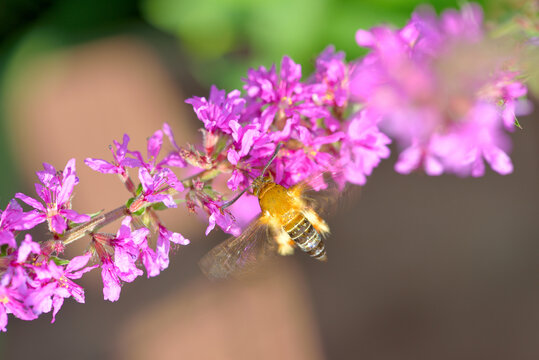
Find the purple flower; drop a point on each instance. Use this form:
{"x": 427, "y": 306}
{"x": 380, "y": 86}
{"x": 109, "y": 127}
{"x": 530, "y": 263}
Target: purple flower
{"x": 221, "y": 217}
{"x": 18, "y": 264}
{"x": 34, "y": 286}
{"x": 244, "y": 139}
{"x": 332, "y": 71}
{"x": 279, "y": 98}
{"x": 128, "y": 246}
{"x": 437, "y": 84}
{"x": 164, "y": 239}
{"x": 464, "y": 149}
{"x": 12, "y": 302}
{"x": 55, "y": 190}
{"x": 148, "y": 257}
{"x": 126, "y": 249}
{"x": 74, "y": 270}
{"x": 14, "y": 219}
{"x": 156, "y": 188}
{"x": 173, "y": 158}
{"x": 363, "y": 148}
{"x": 308, "y": 160}
{"x": 155, "y": 143}
{"x": 244, "y": 151}
{"x": 16, "y": 283}
{"x": 120, "y": 163}
{"x": 111, "y": 280}
{"x": 131, "y": 246}
{"x": 217, "y": 112}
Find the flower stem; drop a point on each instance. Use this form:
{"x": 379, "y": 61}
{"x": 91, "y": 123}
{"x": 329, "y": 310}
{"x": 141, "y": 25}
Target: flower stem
{"x": 105, "y": 219}
{"x": 96, "y": 223}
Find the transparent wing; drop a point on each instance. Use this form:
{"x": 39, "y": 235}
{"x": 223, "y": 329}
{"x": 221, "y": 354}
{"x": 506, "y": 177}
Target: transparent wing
{"x": 333, "y": 196}
{"x": 238, "y": 255}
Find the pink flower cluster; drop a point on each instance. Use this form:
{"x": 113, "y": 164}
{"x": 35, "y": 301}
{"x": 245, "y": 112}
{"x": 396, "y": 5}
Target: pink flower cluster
{"x": 419, "y": 86}
{"x": 443, "y": 90}
{"x": 121, "y": 255}
{"x": 306, "y": 117}
{"x": 34, "y": 277}
{"x": 33, "y": 280}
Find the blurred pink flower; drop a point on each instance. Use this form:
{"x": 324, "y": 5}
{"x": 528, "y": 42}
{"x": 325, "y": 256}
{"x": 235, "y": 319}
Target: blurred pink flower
{"x": 433, "y": 97}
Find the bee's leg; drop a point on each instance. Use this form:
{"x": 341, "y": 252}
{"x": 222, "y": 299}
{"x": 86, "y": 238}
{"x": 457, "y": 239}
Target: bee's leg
{"x": 319, "y": 224}
{"x": 285, "y": 243}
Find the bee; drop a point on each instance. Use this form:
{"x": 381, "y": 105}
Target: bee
{"x": 287, "y": 215}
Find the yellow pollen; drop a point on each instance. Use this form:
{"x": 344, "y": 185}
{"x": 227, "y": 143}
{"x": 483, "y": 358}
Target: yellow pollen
{"x": 52, "y": 212}
{"x": 4, "y": 300}
{"x": 287, "y": 100}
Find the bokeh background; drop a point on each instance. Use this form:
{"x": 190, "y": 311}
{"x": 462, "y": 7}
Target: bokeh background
{"x": 419, "y": 267}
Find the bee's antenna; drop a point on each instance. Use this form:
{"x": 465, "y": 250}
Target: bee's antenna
{"x": 272, "y": 158}
{"x": 230, "y": 202}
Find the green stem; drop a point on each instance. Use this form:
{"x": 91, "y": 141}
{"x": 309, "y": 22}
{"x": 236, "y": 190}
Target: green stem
{"x": 96, "y": 223}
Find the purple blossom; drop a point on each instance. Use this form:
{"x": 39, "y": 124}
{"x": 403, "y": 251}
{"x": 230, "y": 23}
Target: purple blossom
{"x": 14, "y": 219}
{"x": 156, "y": 188}
{"x": 217, "y": 112}
{"x": 221, "y": 217}
{"x": 155, "y": 143}
{"x": 424, "y": 83}
{"x": 125, "y": 158}
{"x": 55, "y": 190}
{"x": 111, "y": 280}
{"x": 131, "y": 246}
{"x": 363, "y": 147}
{"x": 148, "y": 257}
{"x": 128, "y": 246}
{"x": 16, "y": 272}
{"x": 16, "y": 266}
{"x": 12, "y": 302}
{"x": 16, "y": 283}
{"x": 279, "y": 98}
{"x": 123, "y": 266}
{"x": 244, "y": 151}
{"x": 126, "y": 249}
{"x": 36, "y": 286}
{"x": 165, "y": 237}
{"x": 297, "y": 165}
{"x": 73, "y": 271}
{"x": 332, "y": 71}
{"x": 121, "y": 157}
{"x": 244, "y": 138}
{"x": 463, "y": 150}
{"x": 173, "y": 158}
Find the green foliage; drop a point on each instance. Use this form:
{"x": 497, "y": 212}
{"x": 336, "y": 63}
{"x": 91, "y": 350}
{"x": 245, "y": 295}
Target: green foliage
{"x": 225, "y": 38}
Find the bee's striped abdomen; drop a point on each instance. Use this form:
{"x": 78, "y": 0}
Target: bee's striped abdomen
{"x": 306, "y": 237}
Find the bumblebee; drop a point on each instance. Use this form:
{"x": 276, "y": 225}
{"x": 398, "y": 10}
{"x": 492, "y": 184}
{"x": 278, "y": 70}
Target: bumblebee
{"x": 287, "y": 215}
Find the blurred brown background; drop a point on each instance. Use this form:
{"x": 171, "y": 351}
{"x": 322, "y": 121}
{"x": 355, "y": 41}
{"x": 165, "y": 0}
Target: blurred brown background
{"x": 419, "y": 267}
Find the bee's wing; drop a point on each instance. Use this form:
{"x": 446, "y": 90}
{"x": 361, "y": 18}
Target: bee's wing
{"x": 329, "y": 199}
{"x": 238, "y": 254}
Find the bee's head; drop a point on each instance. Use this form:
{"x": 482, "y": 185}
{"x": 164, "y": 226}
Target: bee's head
{"x": 259, "y": 183}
